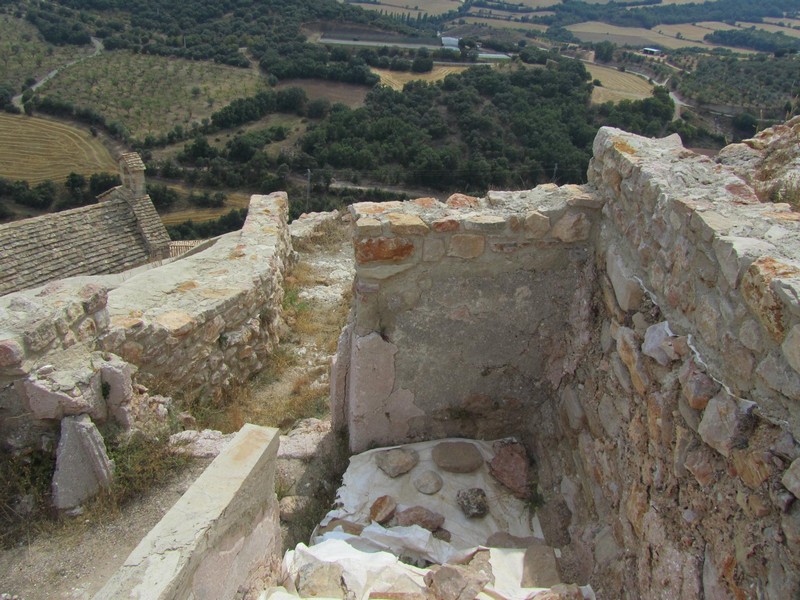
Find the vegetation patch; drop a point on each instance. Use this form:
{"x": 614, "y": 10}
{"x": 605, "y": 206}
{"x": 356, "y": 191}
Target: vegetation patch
{"x": 397, "y": 79}
{"x": 618, "y": 85}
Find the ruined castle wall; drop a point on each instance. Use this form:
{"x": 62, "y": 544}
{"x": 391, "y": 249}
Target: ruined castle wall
{"x": 667, "y": 459}
{"x": 208, "y": 321}
{"x": 648, "y": 361}
{"x": 459, "y": 313}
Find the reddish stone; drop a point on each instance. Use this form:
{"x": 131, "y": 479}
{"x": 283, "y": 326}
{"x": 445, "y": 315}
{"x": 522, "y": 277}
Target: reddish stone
{"x": 426, "y": 202}
{"x": 759, "y": 296}
{"x": 445, "y": 225}
{"x": 510, "y": 467}
{"x": 10, "y": 353}
{"x": 382, "y": 248}
{"x": 382, "y": 509}
{"x": 463, "y": 201}
{"x": 418, "y": 515}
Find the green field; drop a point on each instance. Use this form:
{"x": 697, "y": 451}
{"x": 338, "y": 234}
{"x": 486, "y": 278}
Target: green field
{"x": 152, "y": 94}
{"x": 24, "y": 54}
{"x": 38, "y": 149}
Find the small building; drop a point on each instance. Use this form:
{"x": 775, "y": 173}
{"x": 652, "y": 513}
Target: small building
{"x": 651, "y": 51}
{"x": 450, "y": 43}
{"x": 122, "y": 231}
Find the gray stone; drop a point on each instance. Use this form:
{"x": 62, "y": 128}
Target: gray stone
{"x": 457, "y": 457}
{"x": 791, "y": 478}
{"x": 572, "y": 227}
{"x": 473, "y": 502}
{"x": 428, "y": 482}
{"x": 736, "y": 253}
{"x": 200, "y": 444}
{"x": 791, "y": 348}
{"x": 82, "y": 464}
{"x": 539, "y": 568}
{"x": 627, "y": 290}
{"x": 320, "y": 580}
{"x": 293, "y": 508}
{"x": 306, "y": 441}
{"x": 116, "y": 374}
{"x": 657, "y": 345}
{"x": 397, "y": 461}
{"x": 726, "y": 423}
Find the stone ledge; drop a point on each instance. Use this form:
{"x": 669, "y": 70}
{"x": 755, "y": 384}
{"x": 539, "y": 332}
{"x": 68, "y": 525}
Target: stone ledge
{"x": 223, "y": 529}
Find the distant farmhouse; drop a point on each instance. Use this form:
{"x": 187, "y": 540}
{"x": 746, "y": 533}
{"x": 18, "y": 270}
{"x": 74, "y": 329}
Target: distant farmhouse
{"x": 120, "y": 232}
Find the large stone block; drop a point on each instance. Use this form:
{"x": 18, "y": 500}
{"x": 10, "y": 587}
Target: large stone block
{"x": 627, "y": 290}
{"x": 726, "y": 423}
{"x": 82, "y": 464}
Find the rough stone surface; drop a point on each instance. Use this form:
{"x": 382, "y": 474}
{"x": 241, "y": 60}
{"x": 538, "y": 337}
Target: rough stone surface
{"x": 725, "y": 424}
{"x": 397, "y": 461}
{"x": 510, "y": 467}
{"x": 428, "y": 482}
{"x": 419, "y": 515}
{"x": 207, "y": 443}
{"x": 473, "y": 502}
{"x": 454, "y": 582}
{"x": 320, "y": 580}
{"x": 457, "y": 457}
{"x": 539, "y": 568}
{"x": 82, "y": 465}
{"x": 382, "y": 509}
{"x": 627, "y": 290}
{"x": 791, "y": 478}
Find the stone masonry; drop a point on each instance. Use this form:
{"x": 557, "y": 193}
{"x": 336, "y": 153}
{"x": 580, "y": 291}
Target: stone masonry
{"x": 640, "y": 334}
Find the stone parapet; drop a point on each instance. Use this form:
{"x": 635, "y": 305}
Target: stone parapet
{"x": 221, "y": 537}
{"x": 209, "y": 320}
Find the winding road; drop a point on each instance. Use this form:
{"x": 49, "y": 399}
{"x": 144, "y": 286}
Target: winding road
{"x": 98, "y": 48}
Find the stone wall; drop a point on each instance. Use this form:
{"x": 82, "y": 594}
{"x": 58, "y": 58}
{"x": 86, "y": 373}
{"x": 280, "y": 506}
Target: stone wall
{"x": 199, "y": 324}
{"x": 648, "y": 360}
{"x": 459, "y": 312}
{"x": 220, "y": 539}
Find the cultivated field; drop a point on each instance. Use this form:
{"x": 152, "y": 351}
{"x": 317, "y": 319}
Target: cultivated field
{"x": 38, "y": 149}
{"x": 539, "y": 3}
{"x": 431, "y": 7}
{"x": 502, "y": 24}
{"x": 396, "y": 79}
{"x": 771, "y": 28}
{"x": 351, "y": 95}
{"x": 687, "y": 31}
{"x": 198, "y": 215}
{"x": 24, "y": 54}
{"x": 785, "y": 20}
{"x": 617, "y": 85}
{"x": 594, "y": 31}
{"x": 151, "y": 94}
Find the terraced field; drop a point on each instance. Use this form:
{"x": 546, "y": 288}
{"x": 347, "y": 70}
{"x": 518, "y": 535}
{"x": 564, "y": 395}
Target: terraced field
{"x": 396, "y": 79}
{"x": 617, "y": 85}
{"x": 37, "y": 149}
{"x": 502, "y": 24}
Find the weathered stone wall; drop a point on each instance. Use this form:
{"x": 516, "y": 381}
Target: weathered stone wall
{"x": 459, "y": 313}
{"x": 207, "y": 321}
{"x": 220, "y": 539}
{"x": 201, "y": 323}
{"x": 652, "y": 371}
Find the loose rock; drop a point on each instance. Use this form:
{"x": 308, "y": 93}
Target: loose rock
{"x": 382, "y": 509}
{"x": 457, "y": 457}
{"x": 397, "y": 461}
{"x": 473, "y": 502}
{"x": 418, "y": 515}
{"x": 510, "y": 467}
{"x": 539, "y": 567}
{"x": 454, "y": 582}
{"x": 429, "y": 482}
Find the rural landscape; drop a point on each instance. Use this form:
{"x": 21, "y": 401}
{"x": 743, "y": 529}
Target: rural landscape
{"x": 351, "y": 97}
{"x": 337, "y": 102}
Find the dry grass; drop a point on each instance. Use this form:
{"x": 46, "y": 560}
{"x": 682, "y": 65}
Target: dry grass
{"x": 396, "y": 79}
{"x": 349, "y": 94}
{"x": 539, "y": 3}
{"x": 198, "y": 215}
{"x": 689, "y": 32}
{"x": 431, "y": 7}
{"x": 152, "y": 94}
{"x": 595, "y": 31}
{"x": 617, "y": 85}
{"x": 37, "y": 149}
{"x": 785, "y": 20}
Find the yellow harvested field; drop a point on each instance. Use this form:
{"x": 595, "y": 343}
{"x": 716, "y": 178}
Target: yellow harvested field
{"x": 396, "y": 79}
{"x": 502, "y": 24}
{"x": 198, "y": 215}
{"x": 771, "y": 28}
{"x": 689, "y": 32}
{"x": 37, "y": 149}
{"x": 594, "y": 31}
{"x": 431, "y": 7}
{"x": 617, "y": 85}
{"x": 350, "y": 94}
{"x": 715, "y": 25}
{"x": 785, "y": 20}
{"x": 539, "y": 3}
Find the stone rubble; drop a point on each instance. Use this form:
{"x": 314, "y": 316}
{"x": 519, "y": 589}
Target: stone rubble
{"x": 396, "y": 462}
{"x": 457, "y": 457}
